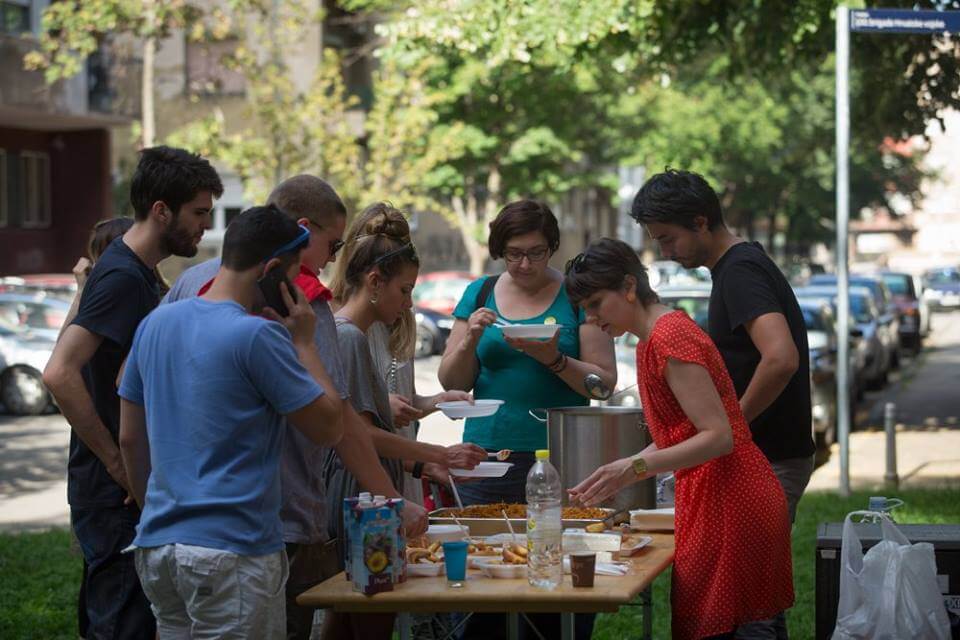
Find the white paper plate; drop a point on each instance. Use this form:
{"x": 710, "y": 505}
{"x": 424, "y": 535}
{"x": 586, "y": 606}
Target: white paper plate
{"x": 496, "y": 569}
{"x": 634, "y": 546}
{"x": 483, "y": 470}
{"x": 531, "y": 331}
{"x": 457, "y": 409}
{"x": 424, "y": 570}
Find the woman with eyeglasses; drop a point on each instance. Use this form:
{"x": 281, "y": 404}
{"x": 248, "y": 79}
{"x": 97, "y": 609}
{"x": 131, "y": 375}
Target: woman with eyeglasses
{"x": 733, "y": 563}
{"x": 577, "y": 364}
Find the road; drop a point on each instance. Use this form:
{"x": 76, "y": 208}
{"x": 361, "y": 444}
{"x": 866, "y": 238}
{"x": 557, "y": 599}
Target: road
{"x": 33, "y": 450}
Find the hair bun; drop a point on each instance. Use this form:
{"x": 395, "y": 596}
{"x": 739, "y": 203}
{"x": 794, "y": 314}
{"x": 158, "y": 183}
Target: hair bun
{"x": 389, "y": 223}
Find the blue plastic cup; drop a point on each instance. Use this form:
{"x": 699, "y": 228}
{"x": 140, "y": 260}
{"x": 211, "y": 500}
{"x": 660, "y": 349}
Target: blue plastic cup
{"x": 455, "y": 561}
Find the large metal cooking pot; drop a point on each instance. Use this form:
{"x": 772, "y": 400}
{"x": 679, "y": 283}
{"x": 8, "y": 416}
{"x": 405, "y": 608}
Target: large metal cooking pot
{"x": 584, "y": 438}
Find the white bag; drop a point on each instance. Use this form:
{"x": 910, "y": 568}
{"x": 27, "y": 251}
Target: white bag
{"x": 891, "y": 591}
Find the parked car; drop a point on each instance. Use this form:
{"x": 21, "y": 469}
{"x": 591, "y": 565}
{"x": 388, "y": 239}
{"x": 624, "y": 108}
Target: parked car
{"x": 912, "y": 309}
{"x": 870, "y": 364}
{"x": 625, "y": 394}
{"x": 23, "y": 356}
{"x": 694, "y": 299}
{"x": 441, "y": 290}
{"x": 888, "y": 319}
{"x": 942, "y": 288}
{"x": 669, "y": 273}
{"x": 57, "y": 284}
{"x": 42, "y": 314}
{"x": 818, "y": 316}
{"x": 433, "y": 329}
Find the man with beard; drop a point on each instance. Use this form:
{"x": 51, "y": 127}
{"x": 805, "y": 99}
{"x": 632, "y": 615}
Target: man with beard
{"x": 172, "y": 196}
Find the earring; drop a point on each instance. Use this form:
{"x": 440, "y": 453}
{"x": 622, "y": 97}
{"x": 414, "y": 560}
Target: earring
{"x": 374, "y": 299}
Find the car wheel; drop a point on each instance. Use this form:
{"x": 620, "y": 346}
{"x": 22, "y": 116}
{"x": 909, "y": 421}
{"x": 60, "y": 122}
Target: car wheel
{"x": 23, "y": 393}
{"x": 425, "y": 342}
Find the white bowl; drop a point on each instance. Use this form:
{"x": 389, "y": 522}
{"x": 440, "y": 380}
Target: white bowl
{"x": 531, "y": 331}
{"x": 457, "y": 409}
{"x": 483, "y": 470}
{"x": 495, "y": 568}
{"x": 424, "y": 569}
{"x": 445, "y": 533}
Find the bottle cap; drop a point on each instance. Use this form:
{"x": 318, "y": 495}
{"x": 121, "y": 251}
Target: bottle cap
{"x": 543, "y": 454}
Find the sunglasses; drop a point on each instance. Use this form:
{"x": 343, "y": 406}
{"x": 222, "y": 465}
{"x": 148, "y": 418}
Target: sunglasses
{"x": 300, "y": 241}
{"x": 577, "y": 264}
{"x": 335, "y": 244}
{"x": 407, "y": 249}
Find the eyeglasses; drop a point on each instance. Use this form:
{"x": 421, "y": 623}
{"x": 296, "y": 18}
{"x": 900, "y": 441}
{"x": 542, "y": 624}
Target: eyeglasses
{"x": 335, "y": 245}
{"x": 513, "y": 255}
{"x": 577, "y": 264}
{"x": 300, "y": 241}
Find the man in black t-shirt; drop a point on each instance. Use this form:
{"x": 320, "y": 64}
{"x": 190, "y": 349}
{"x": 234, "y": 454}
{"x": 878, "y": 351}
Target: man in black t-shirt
{"x": 172, "y": 196}
{"x": 756, "y": 323}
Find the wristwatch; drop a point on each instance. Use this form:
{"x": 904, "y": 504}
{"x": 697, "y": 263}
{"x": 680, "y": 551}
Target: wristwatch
{"x": 639, "y": 465}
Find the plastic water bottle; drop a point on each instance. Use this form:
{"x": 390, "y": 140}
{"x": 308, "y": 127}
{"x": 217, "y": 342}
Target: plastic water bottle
{"x": 544, "y": 531}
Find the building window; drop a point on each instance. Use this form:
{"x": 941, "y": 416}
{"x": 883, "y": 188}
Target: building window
{"x": 206, "y": 72}
{"x": 14, "y": 16}
{"x": 4, "y": 206}
{"x": 35, "y": 189}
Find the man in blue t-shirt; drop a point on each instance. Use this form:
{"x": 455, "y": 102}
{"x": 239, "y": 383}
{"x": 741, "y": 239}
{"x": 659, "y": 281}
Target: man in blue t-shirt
{"x": 172, "y": 196}
{"x": 204, "y": 394}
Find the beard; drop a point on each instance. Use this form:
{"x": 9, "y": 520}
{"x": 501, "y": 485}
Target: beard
{"x": 178, "y": 241}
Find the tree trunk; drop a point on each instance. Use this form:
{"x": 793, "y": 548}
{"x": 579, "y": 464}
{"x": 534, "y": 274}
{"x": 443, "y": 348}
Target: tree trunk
{"x": 148, "y": 116}
{"x": 467, "y": 224}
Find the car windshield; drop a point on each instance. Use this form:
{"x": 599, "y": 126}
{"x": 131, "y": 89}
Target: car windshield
{"x": 696, "y": 308}
{"x": 445, "y": 289}
{"x": 945, "y": 276}
{"x": 898, "y": 283}
{"x": 31, "y": 314}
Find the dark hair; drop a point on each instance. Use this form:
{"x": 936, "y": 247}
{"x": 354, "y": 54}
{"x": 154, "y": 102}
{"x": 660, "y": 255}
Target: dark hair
{"x": 306, "y": 196}
{"x": 518, "y": 218}
{"x": 254, "y": 235}
{"x": 604, "y": 266}
{"x": 105, "y": 232}
{"x": 172, "y": 176}
{"x": 379, "y": 238}
{"x": 677, "y": 197}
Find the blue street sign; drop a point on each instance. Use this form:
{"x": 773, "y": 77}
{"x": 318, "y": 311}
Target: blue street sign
{"x": 904, "y": 21}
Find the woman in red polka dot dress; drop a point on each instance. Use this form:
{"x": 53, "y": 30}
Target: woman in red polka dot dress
{"x": 732, "y": 563}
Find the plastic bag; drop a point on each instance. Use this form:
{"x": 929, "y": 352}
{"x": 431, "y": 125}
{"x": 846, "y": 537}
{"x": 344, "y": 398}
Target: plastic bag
{"x": 891, "y": 591}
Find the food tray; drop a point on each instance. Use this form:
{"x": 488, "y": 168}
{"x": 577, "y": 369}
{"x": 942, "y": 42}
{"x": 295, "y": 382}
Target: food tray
{"x": 493, "y": 526}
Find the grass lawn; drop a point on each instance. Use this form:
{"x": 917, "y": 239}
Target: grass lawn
{"x": 39, "y": 574}
{"x": 922, "y": 506}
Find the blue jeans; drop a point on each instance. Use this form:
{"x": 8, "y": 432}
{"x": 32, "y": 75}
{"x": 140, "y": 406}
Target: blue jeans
{"x": 112, "y": 599}
{"x": 512, "y": 489}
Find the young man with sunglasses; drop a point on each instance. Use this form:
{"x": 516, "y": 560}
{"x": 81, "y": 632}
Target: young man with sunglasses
{"x": 313, "y": 203}
{"x": 207, "y": 392}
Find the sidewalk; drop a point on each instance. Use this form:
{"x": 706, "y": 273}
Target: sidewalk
{"x": 927, "y": 399}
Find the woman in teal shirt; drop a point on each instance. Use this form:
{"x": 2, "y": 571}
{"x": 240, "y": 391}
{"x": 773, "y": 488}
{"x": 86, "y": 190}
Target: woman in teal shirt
{"x": 525, "y": 374}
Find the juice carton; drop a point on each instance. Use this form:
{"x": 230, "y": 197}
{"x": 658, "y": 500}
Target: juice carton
{"x": 372, "y": 541}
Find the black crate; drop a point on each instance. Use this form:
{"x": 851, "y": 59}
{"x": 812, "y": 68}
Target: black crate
{"x": 945, "y": 539}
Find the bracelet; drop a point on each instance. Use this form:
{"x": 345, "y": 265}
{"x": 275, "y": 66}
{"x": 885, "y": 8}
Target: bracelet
{"x": 560, "y": 365}
{"x": 556, "y": 362}
{"x": 417, "y": 470}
